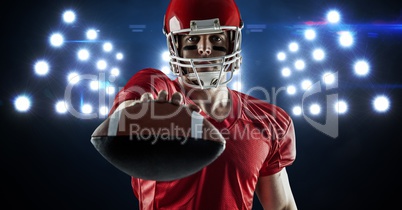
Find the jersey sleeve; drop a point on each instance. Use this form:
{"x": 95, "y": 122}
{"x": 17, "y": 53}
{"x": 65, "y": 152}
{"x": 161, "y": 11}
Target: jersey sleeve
{"x": 145, "y": 80}
{"x": 283, "y": 152}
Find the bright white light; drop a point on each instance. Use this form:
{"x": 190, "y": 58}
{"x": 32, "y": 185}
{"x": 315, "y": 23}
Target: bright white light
{"x": 86, "y": 109}
{"x": 300, "y": 65}
{"x": 83, "y": 54}
{"x": 306, "y": 84}
{"x": 315, "y": 109}
{"x": 166, "y": 70}
{"x": 309, "y": 34}
{"x": 92, "y": 34}
{"x": 22, "y": 103}
{"x": 61, "y": 107}
{"x": 166, "y": 56}
{"x": 381, "y": 103}
{"x": 361, "y": 68}
{"x": 328, "y": 78}
{"x": 318, "y": 54}
{"x": 333, "y": 16}
{"x": 101, "y": 64}
{"x": 73, "y": 78}
{"x": 346, "y": 39}
{"x": 293, "y": 47}
{"x": 236, "y": 72}
{"x": 41, "y": 68}
{"x": 297, "y": 110}
{"x": 119, "y": 56}
{"x": 56, "y": 40}
{"x": 107, "y": 47}
{"x": 110, "y": 90}
{"x": 291, "y": 89}
{"x": 341, "y": 107}
{"x": 281, "y": 56}
{"x": 103, "y": 111}
{"x": 237, "y": 86}
{"x": 286, "y": 72}
{"x": 94, "y": 85}
{"x": 115, "y": 72}
{"x": 69, "y": 16}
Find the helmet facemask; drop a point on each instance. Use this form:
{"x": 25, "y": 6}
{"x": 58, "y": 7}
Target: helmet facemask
{"x": 189, "y": 68}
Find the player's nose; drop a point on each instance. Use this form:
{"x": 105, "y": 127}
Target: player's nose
{"x": 204, "y": 46}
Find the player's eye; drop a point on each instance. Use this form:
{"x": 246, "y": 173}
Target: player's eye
{"x": 192, "y": 39}
{"x": 216, "y": 39}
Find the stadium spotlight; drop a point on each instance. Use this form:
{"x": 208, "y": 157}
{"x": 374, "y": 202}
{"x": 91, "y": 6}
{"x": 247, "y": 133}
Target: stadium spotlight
{"x": 22, "y": 103}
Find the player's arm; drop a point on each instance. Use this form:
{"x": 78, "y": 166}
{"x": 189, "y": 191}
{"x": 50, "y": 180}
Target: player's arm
{"x": 274, "y": 192}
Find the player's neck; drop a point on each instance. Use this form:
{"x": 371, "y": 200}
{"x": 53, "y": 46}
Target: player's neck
{"x": 215, "y": 102}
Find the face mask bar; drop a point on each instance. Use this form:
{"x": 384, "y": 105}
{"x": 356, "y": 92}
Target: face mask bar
{"x": 224, "y": 64}
{"x": 211, "y": 79}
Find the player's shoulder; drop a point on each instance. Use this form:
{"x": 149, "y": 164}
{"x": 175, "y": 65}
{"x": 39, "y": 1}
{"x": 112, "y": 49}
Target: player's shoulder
{"x": 149, "y": 72}
{"x": 254, "y": 108}
{"x": 147, "y": 75}
{"x": 262, "y": 105}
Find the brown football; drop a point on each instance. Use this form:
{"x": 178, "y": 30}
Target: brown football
{"x": 158, "y": 141}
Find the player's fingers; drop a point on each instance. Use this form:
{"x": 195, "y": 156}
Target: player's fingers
{"x": 146, "y": 97}
{"x": 194, "y": 107}
{"x": 162, "y": 96}
{"x": 177, "y": 98}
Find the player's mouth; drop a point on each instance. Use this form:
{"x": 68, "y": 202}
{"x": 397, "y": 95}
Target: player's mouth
{"x": 206, "y": 66}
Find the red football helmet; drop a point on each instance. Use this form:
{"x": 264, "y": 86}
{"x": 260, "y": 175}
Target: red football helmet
{"x": 203, "y": 17}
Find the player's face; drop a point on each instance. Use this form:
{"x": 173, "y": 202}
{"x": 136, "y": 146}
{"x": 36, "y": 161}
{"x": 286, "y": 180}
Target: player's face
{"x": 204, "y": 46}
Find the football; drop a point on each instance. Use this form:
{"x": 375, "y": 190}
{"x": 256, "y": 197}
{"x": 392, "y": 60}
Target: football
{"x": 158, "y": 141}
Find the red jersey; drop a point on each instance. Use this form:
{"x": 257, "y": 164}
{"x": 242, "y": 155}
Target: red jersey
{"x": 260, "y": 141}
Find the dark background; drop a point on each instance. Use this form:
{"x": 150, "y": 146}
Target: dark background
{"x": 48, "y": 162}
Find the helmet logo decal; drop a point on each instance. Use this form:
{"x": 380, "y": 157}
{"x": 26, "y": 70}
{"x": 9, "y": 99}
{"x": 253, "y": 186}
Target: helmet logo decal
{"x": 174, "y": 23}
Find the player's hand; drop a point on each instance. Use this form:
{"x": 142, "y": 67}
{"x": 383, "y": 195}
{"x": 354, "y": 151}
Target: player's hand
{"x": 177, "y": 99}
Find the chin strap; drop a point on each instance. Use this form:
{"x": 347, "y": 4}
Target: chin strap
{"x": 206, "y": 79}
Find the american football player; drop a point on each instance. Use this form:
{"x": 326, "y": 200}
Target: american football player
{"x": 204, "y": 40}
